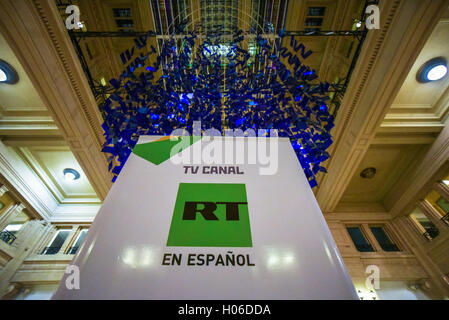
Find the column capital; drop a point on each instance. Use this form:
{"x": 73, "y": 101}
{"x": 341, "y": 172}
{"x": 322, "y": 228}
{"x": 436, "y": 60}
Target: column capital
{"x": 432, "y": 214}
{"x": 442, "y": 189}
{"x": 3, "y": 190}
{"x": 20, "y": 207}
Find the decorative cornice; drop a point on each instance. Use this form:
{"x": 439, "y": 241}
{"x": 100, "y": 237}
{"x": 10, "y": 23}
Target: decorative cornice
{"x": 37, "y": 35}
{"x": 9, "y": 172}
{"x": 3, "y": 190}
{"x": 371, "y": 51}
{"x": 92, "y": 114}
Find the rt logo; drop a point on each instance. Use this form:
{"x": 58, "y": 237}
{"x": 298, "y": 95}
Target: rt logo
{"x": 192, "y": 208}
{"x": 210, "y": 215}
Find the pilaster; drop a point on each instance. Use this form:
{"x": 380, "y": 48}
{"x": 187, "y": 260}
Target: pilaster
{"x": 3, "y": 190}
{"x": 442, "y": 189}
{"x": 433, "y": 215}
{"x": 10, "y": 214}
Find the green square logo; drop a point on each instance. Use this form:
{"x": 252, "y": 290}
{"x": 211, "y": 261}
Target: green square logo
{"x": 210, "y": 215}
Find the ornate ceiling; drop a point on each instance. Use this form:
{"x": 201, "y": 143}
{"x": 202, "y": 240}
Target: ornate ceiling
{"x": 387, "y": 120}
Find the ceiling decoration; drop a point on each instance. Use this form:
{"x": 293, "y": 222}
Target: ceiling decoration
{"x": 194, "y": 87}
{"x": 50, "y": 163}
{"x": 326, "y": 28}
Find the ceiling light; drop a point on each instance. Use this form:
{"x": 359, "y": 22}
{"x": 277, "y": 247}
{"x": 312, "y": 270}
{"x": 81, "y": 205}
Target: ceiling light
{"x": 437, "y": 73}
{"x": 3, "y": 76}
{"x": 433, "y": 70}
{"x": 368, "y": 173}
{"x": 7, "y": 73}
{"x": 71, "y": 174}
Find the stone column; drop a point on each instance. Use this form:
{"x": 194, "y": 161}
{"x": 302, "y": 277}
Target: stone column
{"x": 3, "y": 190}
{"x": 442, "y": 189}
{"x": 419, "y": 248}
{"x": 10, "y": 214}
{"x": 416, "y": 227}
{"x": 433, "y": 215}
{"x": 32, "y": 232}
{"x": 49, "y": 232}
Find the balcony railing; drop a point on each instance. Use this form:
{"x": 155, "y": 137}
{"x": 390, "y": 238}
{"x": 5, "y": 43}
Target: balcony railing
{"x": 7, "y": 237}
{"x": 431, "y": 233}
{"x": 445, "y": 219}
{"x": 72, "y": 250}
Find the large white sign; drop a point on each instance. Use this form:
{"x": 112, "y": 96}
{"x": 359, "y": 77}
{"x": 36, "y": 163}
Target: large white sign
{"x": 176, "y": 226}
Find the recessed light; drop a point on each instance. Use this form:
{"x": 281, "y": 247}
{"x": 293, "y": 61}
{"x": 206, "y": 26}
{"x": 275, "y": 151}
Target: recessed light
{"x": 368, "y": 173}
{"x": 7, "y": 73}
{"x": 433, "y": 70}
{"x": 71, "y": 174}
{"x": 3, "y": 76}
{"x": 436, "y": 73}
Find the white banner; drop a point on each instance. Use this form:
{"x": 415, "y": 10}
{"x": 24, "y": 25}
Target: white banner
{"x": 185, "y": 220}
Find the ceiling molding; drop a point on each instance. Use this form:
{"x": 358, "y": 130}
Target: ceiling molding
{"x": 412, "y": 106}
{"x": 410, "y": 127}
{"x": 441, "y": 107}
{"x": 11, "y": 111}
{"x": 28, "y": 154}
{"x": 432, "y": 168}
{"x": 28, "y": 126}
{"x": 401, "y": 138}
{"x": 27, "y": 184}
{"x": 46, "y": 179}
{"x": 75, "y": 213}
{"x": 359, "y": 207}
{"x": 391, "y": 162}
{"x": 37, "y": 195}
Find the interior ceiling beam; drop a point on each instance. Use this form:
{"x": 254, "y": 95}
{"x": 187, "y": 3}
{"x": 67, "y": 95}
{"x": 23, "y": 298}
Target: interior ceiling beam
{"x": 386, "y": 58}
{"x": 28, "y": 141}
{"x": 28, "y": 126}
{"x": 404, "y": 138}
{"x": 38, "y": 37}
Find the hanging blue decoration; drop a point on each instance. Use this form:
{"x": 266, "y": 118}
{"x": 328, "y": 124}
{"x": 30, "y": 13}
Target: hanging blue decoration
{"x": 269, "y": 89}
